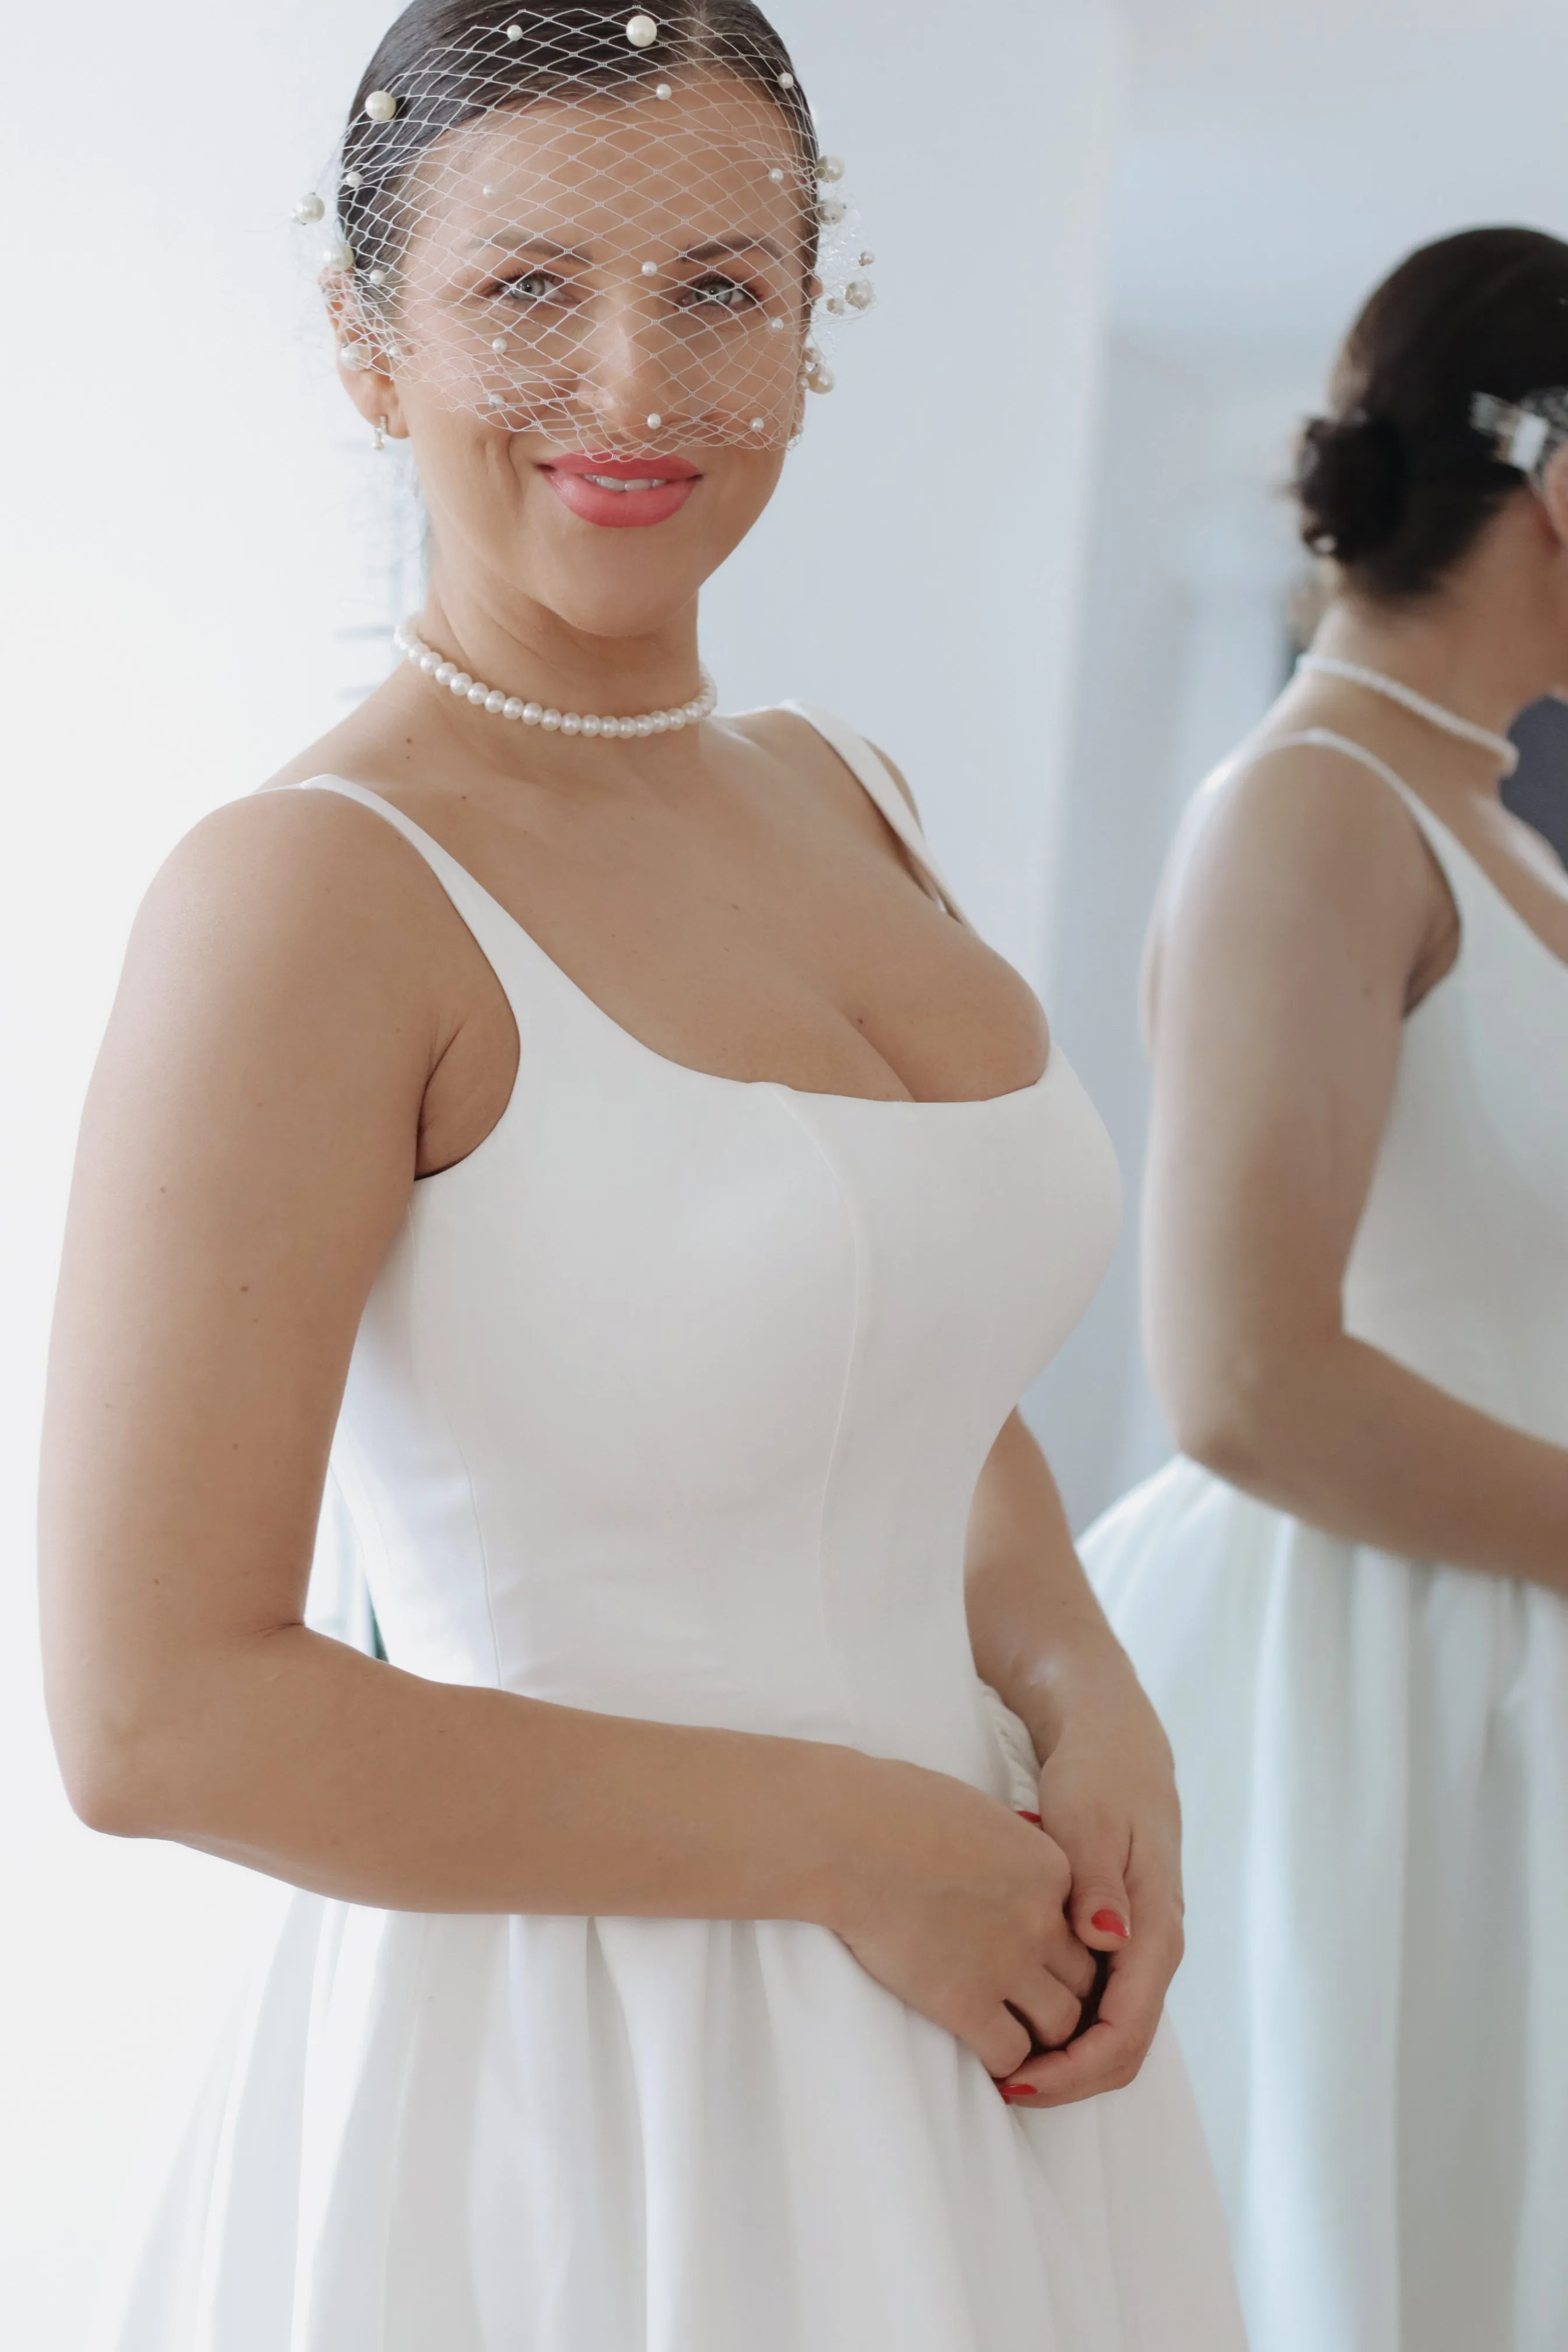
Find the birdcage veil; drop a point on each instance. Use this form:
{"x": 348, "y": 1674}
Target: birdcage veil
{"x": 609, "y": 228}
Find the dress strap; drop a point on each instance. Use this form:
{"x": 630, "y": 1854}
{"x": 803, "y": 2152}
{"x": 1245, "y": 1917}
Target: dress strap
{"x": 501, "y": 938}
{"x": 1448, "y": 852}
{"x": 871, "y": 770}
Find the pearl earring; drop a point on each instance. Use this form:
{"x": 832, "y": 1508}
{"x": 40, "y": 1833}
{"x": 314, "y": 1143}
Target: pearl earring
{"x": 379, "y": 443}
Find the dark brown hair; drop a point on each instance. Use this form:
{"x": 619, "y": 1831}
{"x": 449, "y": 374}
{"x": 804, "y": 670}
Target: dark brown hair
{"x": 459, "y": 55}
{"x": 1394, "y": 483}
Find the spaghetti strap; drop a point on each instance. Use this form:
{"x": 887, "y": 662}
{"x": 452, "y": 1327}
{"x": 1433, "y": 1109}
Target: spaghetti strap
{"x": 1453, "y": 860}
{"x": 872, "y": 772}
{"x": 501, "y": 938}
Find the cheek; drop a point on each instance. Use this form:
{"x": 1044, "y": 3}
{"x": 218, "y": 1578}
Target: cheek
{"x": 743, "y": 488}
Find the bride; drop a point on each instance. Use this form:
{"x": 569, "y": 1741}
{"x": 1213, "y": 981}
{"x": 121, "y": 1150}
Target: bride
{"x": 589, "y": 1122}
{"x": 1349, "y": 1601}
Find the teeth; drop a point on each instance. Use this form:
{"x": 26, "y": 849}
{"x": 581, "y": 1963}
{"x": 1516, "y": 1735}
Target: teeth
{"x": 604, "y": 482}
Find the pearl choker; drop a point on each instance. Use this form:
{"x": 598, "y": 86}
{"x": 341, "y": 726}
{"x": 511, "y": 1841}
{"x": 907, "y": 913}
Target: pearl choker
{"x": 413, "y": 648}
{"x": 1408, "y": 699}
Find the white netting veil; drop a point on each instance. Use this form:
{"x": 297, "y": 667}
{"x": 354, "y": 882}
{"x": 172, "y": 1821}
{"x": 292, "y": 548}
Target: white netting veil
{"x": 609, "y": 228}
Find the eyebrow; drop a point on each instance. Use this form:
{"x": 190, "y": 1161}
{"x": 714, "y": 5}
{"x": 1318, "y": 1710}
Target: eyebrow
{"x": 728, "y": 248}
{"x": 544, "y": 248}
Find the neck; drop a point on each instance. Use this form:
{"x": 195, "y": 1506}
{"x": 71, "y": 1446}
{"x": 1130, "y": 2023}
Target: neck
{"x": 523, "y": 648}
{"x": 1486, "y": 645}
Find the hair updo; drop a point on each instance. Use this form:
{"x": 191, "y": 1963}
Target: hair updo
{"x": 538, "y": 51}
{"x": 1394, "y": 483}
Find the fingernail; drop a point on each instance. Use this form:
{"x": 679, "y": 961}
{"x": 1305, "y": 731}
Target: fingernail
{"x": 1111, "y": 1923}
{"x": 1016, "y": 2090}
{"x": 1023, "y": 1816}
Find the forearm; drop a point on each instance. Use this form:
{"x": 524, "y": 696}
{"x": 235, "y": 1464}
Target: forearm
{"x": 1343, "y": 1436}
{"x": 299, "y": 1757}
{"x": 1040, "y": 1636}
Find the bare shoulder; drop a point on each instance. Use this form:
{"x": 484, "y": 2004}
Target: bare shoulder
{"x": 1294, "y": 823}
{"x": 792, "y": 737}
{"x": 298, "y": 898}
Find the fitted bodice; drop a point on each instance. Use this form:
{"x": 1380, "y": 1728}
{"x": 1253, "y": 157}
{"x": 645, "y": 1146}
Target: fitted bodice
{"x": 671, "y": 1399}
{"x": 1460, "y": 1268}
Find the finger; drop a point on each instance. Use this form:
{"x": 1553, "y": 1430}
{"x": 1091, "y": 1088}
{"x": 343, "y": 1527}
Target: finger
{"x": 1051, "y": 2014}
{"x": 1098, "y": 2062}
{"x": 1097, "y": 1848}
{"x": 1067, "y": 1955}
{"x": 1108, "y": 2056}
{"x": 1070, "y": 1963}
{"x": 1002, "y": 2043}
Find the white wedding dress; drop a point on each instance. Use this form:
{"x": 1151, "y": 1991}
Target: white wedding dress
{"x": 671, "y": 1401}
{"x": 1374, "y": 1751}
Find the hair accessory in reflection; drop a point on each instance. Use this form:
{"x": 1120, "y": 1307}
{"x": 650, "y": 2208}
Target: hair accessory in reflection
{"x": 1526, "y": 434}
{"x": 568, "y": 221}
{"x": 413, "y": 648}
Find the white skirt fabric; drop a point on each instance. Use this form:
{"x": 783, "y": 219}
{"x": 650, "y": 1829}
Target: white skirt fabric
{"x": 1373, "y": 1763}
{"x": 428, "y": 2134}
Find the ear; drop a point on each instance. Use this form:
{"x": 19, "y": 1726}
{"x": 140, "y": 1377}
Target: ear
{"x": 1553, "y": 491}
{"x": 364, "y": 366}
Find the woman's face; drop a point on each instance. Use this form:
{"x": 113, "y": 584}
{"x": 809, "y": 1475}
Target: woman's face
{"x": 599, "y": 332}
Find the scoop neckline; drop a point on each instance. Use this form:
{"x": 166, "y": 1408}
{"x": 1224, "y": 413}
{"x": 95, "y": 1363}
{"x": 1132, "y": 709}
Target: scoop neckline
{"x": 562, "y": 979}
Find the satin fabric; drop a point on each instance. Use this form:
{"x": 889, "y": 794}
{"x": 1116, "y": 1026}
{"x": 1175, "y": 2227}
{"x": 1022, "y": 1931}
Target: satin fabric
{"x": 671, "y": 1401}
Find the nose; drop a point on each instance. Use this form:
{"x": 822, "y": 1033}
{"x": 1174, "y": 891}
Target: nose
{"x": 628, "y": 382}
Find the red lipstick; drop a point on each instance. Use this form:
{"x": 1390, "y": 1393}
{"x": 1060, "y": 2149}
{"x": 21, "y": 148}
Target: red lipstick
{"x": 656, "y": 489}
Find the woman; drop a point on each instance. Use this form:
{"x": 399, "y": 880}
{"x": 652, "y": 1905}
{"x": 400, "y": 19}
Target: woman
{"x": 1348, "y": 1600}
{"x": 607, "y": 1125}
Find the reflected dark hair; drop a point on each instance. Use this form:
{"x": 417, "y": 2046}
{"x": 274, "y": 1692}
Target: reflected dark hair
{"x": 541, "y": 51}
{"x": 1394, "y": 483}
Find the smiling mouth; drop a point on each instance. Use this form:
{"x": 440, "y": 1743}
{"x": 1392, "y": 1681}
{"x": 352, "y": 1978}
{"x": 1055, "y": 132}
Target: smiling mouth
{"x": 608, "y": 482}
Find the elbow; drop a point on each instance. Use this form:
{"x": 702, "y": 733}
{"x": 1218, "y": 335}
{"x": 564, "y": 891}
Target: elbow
{"x": 103, "y": 1794}
{"x": 1232, "y": 1417}
{"x": 106, "y": 1762}
{"x": 1221, "y": 1438}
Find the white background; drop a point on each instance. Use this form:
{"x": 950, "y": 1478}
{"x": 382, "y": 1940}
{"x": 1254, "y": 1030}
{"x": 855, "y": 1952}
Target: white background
{"x": 1029, "y": 545}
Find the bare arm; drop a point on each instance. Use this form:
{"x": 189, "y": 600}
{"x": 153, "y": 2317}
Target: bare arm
{"x": 247, "y": 1156}
{"x": 1284, "y": 965}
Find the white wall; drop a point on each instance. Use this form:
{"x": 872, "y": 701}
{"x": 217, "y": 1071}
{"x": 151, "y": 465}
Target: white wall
{"x": 193, "y": 526}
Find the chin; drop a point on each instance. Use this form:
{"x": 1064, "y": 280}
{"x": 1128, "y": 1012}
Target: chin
{"x": 615, "y": 583}
{"x": 610, "y": 608}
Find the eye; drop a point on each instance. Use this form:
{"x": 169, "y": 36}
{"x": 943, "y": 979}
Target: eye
{"x": 720, "y": 293}
{"x": 534, "y": 286}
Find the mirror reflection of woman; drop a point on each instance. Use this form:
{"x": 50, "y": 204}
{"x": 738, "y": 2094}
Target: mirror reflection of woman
{"x": 1350, "y": 1600}
{"x": 595, "y": 1114}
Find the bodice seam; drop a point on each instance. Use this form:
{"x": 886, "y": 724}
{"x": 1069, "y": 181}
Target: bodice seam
{"x": 851, "y": 1357}
{"x": 431, "y": 1389}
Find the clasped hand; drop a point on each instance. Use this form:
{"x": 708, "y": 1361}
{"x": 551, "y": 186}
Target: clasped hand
{"x": 1047, "y": 1948}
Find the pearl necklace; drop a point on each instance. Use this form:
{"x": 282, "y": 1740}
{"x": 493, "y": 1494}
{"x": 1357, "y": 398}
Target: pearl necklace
{"x": 413, "y": 648}
{"x": 1408, "y": 699}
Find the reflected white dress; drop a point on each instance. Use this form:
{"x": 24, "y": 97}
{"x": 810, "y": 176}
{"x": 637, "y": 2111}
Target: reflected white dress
{"x": 670, "y": 1402}
{"x": 1374, "y": 1751}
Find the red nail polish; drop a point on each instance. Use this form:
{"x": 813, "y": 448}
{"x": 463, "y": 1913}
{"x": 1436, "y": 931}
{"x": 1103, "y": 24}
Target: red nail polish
{"x": 1016, "y": 2090}
{"x": 1111, "y": 1923}
{"x": 1028, "y": 1817}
